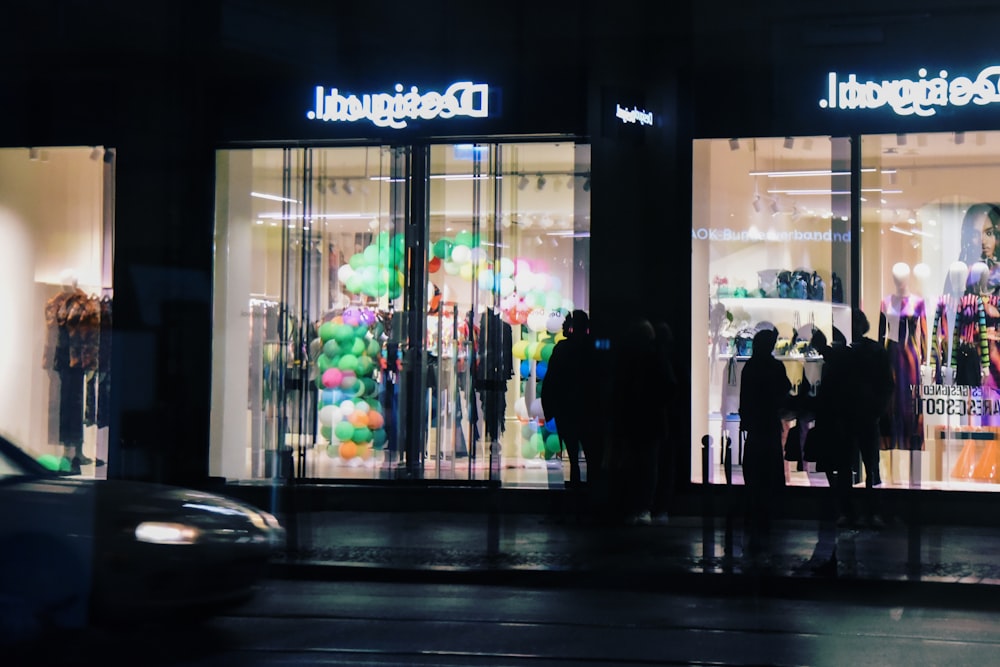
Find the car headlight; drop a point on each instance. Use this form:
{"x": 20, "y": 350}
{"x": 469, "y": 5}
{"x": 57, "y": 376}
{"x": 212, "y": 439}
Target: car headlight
{"x": 163, "y": 532}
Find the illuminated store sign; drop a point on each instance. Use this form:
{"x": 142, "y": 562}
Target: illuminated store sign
{"x": 462, "y": 98}
{"x": 909, "y": 97}
{"x": 634, "y": 115}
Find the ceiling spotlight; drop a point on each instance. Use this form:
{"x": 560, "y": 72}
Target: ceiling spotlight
{"x": 756, "y": 203}
{"x": 96, "y": 153}
{"x": 522, "y": 182}
{"x": 789, "y": 142}
{"x": 34, "y": 154}
{"x": 541, "y": 181}
{"x": 960, "y": 137}
{"x": 348, "y": 186}
{"x": 774, "y": 207}
{"x": 807, "y": 143}
{"x": 332, "y": 186}
{"x": 734, "y": 144}
{"x": 900, "y": 139}
{"x": 586, "y": 184}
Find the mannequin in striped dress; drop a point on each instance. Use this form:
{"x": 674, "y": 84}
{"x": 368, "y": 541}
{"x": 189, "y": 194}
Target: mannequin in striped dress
{"x": 903, "y": 328}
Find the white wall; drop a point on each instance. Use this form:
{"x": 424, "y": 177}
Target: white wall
{"x": 51, "y": 219}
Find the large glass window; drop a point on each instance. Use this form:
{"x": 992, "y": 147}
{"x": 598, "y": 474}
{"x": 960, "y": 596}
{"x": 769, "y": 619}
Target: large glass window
{"x": 771, "y": 246}
{"x": 390, "y": 309}
{"x": 929, "y": 272}
{"x": 56, "y": 239}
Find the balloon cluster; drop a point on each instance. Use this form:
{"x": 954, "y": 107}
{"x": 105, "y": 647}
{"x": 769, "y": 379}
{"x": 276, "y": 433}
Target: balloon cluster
{"x": 538, "y": 437}
{"x": 350, "y": 414}
{"x": 538, "y": 351}
{"x": 378, "y": 269}
{"x": 527, "y": 296}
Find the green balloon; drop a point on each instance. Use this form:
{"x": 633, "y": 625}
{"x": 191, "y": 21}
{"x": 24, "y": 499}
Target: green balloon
{"x": 365, "y": 366}
{"x": 324, "y": 363}
{"x": 333, "y": 450}
{"x": 358, "y": 346}
{"x": 331, "y": 348}
{"x": 343, "y": 430}
{"x": 326, "y": 431}
{"x": 348, "y": 362}
{"x": 378, "y": 438}
{"x": 528, "y": 449}
{"x": 547, "y": 351}
{"x": 442, "y": 248}
{"x": 362, "y": 434}
{"x": 371, "y": 255}
{"x": 343, "y": 333}
{"x": 326, "y": 331}
{"x": 50, "y": 461}
{"x": 356, "y": 261}
{"x": 354, "y": 283}
{"x": 370, "y": 386}
{"x": 373, "y": 348}
{"x": 538, "y": 441}
{"x": 526, "y": 431}
{"x": 464, "y": 237}
{"x": 552, "y": 444}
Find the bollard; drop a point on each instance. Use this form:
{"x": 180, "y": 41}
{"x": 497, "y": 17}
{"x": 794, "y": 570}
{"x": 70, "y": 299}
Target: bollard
{"x": 727, "y": 460}
{"x": 706, "y": 457}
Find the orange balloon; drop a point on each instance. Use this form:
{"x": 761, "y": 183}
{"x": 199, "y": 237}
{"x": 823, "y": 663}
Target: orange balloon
{"x": 348, "y": 450}
{"x": 433, "y": 265}
{"x": 375, "y": 419}
{"x": 365, "y": 451}
{"x": 358, "y": 419}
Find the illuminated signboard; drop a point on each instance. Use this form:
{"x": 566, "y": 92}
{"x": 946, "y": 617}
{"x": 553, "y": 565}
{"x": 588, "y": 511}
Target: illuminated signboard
{"x": 462, "y": 98}
{"x": 907, "y": 97}
{"x": 633, "y": 115}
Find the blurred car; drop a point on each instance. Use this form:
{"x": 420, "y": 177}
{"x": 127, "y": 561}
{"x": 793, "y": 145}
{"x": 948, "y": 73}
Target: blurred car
{"x": 74, "y": 551}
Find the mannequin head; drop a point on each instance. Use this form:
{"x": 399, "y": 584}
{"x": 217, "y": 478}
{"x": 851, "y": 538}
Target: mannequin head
{"x": 979, "y": 275}
{"x": 901, "y": 276}
{"x": 958, "y": 272}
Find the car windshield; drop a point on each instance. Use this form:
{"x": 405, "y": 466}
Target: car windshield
{"x": 15, "y": 462}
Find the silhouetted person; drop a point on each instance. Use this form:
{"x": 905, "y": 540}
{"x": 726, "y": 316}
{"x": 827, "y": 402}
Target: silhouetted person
{"x": 568, "y": 397}
{"x": 653, "y": 389}
{"x": 833, "y": 441}
{"x": 872, "y": 393}
{"x": 764, "y": 388}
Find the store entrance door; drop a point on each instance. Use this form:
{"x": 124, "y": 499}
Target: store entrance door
{"x": 402, "y": 303}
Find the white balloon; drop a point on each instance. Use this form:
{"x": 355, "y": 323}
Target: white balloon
{"x": 329, "y": 415}
{"x": 506, "y": 286}
{"x": 537, "y": 319}
{"x": 521, "y": 408}
{"x": 461, "y": 254}
{"x": 344, "y": 272}
{"x": 554, "y": 323}
{"x": 346, "y": 407}
{"x": 506, "y": 266}
{"x": 536, "y": 409}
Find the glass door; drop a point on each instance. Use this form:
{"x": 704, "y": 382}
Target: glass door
{"x": 388, "y": 311}
{"x": 508, "y": 252}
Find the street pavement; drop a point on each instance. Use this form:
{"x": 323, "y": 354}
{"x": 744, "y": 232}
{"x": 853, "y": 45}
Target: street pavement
{"x": 917, "y": 563}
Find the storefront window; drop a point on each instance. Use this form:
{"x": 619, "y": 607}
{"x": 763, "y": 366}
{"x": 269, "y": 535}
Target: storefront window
{"x": 56, "y": 222}
{"x": 930, "y": 277}
{"x": 771, "y": 243}
{"x": 314, "y": 348}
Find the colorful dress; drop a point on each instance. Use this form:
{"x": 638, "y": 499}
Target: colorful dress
{"x": 903, "y": 327}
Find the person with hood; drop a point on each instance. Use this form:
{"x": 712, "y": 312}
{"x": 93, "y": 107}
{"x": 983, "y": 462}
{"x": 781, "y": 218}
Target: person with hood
{"x": 764, "y": 388}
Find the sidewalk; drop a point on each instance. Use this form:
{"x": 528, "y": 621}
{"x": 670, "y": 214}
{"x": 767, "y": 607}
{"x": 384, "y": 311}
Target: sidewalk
{"x": 930, "y": 564}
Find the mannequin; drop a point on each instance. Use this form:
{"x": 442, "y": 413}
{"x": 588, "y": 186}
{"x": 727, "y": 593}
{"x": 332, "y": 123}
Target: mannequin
{"x": 944, "y": 318}
{"x": 72, "y": 347}
{"x": 903, "y": 329}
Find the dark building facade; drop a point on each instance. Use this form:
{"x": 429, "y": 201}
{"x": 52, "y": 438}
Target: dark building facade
{"x": 195, "y": 106}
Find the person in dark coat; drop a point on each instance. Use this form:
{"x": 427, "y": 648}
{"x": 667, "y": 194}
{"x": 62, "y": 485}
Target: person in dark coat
{"x": 764, "y": 388}
{"x": 567, "y": 396}
{"x": 872, "y": 394}
{"x": 833, "y": 439}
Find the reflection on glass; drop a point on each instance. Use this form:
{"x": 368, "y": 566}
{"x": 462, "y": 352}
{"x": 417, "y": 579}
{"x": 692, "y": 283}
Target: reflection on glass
{"x": 318, "y": 258}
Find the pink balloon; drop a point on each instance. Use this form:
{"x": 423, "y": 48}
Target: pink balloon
{"x": 332, "y": 377}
